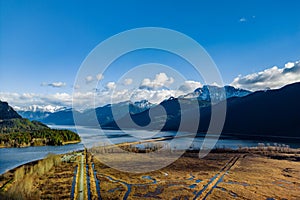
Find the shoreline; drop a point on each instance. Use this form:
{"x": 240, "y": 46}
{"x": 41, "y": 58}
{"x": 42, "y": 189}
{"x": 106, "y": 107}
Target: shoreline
{"x": 24, "y": 146}
{"x": 31, "y": 162}
{"x": 152, "y": 140}
{"x": 42, "y": 152}
{"x": 18, "y": 180}
{"x": 214, "y": 150}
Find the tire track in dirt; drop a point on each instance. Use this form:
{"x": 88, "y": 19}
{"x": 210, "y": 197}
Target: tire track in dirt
{"x": 215, "y": 180}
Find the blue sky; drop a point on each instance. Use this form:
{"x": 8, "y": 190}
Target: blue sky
{"x": 44, "y": 42}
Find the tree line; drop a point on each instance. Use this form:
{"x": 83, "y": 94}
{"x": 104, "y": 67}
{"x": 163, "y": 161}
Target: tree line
{"x": 37, "y": 138}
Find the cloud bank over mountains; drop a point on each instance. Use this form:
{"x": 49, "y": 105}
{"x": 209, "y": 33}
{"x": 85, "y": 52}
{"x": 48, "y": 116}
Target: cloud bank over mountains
{"x": 154, "y": 90}
{"x": 272, "y": 78}
{"x": 161, "y": 80}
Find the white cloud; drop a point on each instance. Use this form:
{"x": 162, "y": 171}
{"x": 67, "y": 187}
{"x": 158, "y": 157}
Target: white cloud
{"x": 153, "y": 96}
{"x": 57, "y": 84}
{"x": 54, "y": 84}
{"x": 272, "y": 78}
{"x": 243, "y": 19}
{"x": 99, "y": 77}
{"x": 161, "y": 80}
{"x": 189, "y": 86}
{"x": 128, "y": 81}
{"x": 216, "y": 84}
{"x": 289, "y": 65}
{"x": 111, "y": 85}
{"x": 154, "y": 91}
{"x": 29, "y": 99}
{"x": 84, "y": 100}
{"x": 89, "y": 79}
{"x": 247, "y": 19}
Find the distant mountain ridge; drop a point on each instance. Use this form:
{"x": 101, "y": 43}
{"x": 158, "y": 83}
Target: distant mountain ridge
{"x": 38, "y": 108}
{"x": 36, "y": 112}
{"x": 270, "y": 112}
{"x": 104, "y": 114}
{"x": 201, "y": 97}
{"x": 208, "y": 92}
{"x": 263, "y": 113}
{"x": 273, "y": 113}
{"x": 34, "y": 115}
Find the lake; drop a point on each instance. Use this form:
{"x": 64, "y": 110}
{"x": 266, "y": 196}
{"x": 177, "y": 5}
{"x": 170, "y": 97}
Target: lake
{"x": 13, "y": 157}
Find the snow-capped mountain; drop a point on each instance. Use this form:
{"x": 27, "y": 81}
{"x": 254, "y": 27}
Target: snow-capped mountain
{"x": 36, "y": 108}
{"x": 245, "y": 117}
{"x": 36, "y": 112}
{"x": 208, "y": 92}
{"x": 140, "y": 106}
{"x": 61, "y": 115}
{"x": 104, "y": 113}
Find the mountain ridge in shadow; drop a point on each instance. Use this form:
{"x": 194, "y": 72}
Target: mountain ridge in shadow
{"x": 262, "y": 113}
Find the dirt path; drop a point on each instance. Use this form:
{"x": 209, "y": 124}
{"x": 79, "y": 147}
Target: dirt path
{"x": 81, "y": 180}
{"x": 87, "y": 177}
{"x": 214, "y": 181}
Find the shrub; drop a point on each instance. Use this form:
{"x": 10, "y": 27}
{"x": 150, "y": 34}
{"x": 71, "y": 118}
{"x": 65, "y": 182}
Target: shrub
{"x": 19, "y": 174}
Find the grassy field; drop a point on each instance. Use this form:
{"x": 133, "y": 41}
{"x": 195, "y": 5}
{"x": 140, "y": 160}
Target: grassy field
{"x": 49, "y": 178}
{"x": 256, "y": 177}
{"x": 247, "y": 173}
{"x": 256, "y": 173}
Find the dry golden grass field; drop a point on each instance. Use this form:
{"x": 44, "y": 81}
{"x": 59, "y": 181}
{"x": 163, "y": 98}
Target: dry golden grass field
{"x": 241, "y": 174}
{"x": 222, "y": 174}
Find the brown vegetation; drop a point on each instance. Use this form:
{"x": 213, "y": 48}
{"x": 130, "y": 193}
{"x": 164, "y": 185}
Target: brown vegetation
{"x": 93, "y": 188}
{"x": 254, "y": 168}
{"x": 44, "y": 179}
{"x": 244, "y": 173}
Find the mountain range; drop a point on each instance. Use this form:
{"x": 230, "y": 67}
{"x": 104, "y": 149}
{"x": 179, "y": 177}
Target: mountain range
{"x": 274, "y": 113}
{"x": 208, "y": 92}
{"x": 36, "y": 112}
{"x": 64, "y": 116}
{"x": 104, "y": 114}
{"x": 270, "y": 113}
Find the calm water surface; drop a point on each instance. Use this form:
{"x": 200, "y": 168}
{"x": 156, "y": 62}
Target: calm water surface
{"x": 13, "y": 157}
